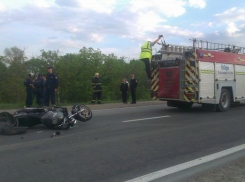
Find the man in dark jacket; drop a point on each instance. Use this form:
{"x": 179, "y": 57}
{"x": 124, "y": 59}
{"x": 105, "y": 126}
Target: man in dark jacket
{"x": 39, "y": 85}
{"x": 124, "y": 90}
{"x": 133, "y": 85}
{"x": 29, "y": 86}
{"x": 97, "y": 89}
{"x": 51, "y": 85}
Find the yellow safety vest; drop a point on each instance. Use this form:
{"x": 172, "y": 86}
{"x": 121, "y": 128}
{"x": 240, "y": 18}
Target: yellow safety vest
{"x": 146, "y": 50}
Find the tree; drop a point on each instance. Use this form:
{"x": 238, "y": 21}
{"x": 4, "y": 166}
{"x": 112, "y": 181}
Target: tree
{"x": 75, "y": 73}
{"x": 51, "y": 57}
{"x": 14, "y": 54}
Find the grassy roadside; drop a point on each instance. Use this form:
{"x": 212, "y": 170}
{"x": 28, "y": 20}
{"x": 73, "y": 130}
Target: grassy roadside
{"x": 21, "y": 105}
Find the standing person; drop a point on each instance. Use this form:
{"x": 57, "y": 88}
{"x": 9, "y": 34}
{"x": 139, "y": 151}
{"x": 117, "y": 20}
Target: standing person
{"x": 44, "y": 79}
{"x": 97, "y": 88}
{"x": 133, "y": 85}
{"x": 39, "y": 85}
{"x": 146, "y": 54}
{"x": 29, "y": 92}
{"x": 50, "y": 87}
{"x": 124, "y": 90}
{"x": 34, "y": 88}
{"x": 126, "y": 81}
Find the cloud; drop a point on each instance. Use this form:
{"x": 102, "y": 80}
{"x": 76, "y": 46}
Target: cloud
{"x": 176, "y": 31}
{"x": 233, "y": 19}
{"x": 100, "y": 6}
{"x": 197, "y": 3}
{"x": 70, "y": 3}
{"x": 76, "y": 23}
{"x": 2, "y": 7}
{"x": 231, "y": 28}
{"x": 43, "y": 3}
{"x": 231, "y": 15}
{"x": 173, "y": 8}
{"x": 203, "y": 24}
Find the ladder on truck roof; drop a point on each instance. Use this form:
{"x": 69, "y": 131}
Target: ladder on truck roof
{"x": 175, "y": 49}
{"x": 200, "y": 44}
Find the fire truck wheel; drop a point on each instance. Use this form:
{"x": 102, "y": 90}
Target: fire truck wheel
{"x": 184, "y": 105}
{"x": 225, "y": 100}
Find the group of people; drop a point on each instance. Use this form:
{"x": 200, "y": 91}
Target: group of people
{"x": 45, "y": 88}
{"x": 42, "y": 87}
{"x": 124, "y": 88}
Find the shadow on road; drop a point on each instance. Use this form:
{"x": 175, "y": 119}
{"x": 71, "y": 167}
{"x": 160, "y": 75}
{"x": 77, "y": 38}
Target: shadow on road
{"x": 197, "y": 108}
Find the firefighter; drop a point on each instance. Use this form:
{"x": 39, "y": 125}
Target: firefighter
{"x": 50, "y": 87}
{"x": 124, "y": 90}
{"x": 39, "y": 85}
{"x": 133, "y": 85}
{"x": 29, "y": 92}
{"x": 146, "y": 54}
{"x": 97, "y": 88}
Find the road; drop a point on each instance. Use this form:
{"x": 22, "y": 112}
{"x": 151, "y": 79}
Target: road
{"x": 120, "y": 144}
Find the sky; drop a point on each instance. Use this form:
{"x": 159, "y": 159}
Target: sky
{"x": 117, "y": 26}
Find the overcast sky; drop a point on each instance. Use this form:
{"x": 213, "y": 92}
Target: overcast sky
{"x": 117, "y": 26}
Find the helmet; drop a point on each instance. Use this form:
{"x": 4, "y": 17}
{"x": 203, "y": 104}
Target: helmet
{"x": 97, "y": 74}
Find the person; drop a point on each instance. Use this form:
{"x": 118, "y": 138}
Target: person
{"x": 39, "y": 85}
{"x": 126, "y": 81}
{"x": 50, "y": 87}
{"x": 29, "y": 92}
{"x": 44, "y": 79}
{"x": 124, "y": 90}
{"x": 133, "y": 85}
{"x": 34, "y": 88}
{"x": 97, "y": 89}
{"x": 146, "y": 54}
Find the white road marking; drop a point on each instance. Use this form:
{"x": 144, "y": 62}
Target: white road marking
{"x": 186, "y": 165}
{"x": 145, "y": 119}
{"x": 126, "y": 107}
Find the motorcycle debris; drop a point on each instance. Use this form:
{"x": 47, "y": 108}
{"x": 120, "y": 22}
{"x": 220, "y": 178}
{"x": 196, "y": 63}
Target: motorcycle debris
{"x": 56, "y": 133}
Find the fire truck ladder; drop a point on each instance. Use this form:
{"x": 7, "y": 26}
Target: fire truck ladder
{"x": 200, "y": 44}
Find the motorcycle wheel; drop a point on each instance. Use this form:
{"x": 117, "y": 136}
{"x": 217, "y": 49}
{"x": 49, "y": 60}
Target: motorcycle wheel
{"x": 84, "y": 116}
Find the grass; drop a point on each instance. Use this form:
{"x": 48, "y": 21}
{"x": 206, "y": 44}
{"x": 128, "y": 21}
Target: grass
{"x": 11, "y": 105}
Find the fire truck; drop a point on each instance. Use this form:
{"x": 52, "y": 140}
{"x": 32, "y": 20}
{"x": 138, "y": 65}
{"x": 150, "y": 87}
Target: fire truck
{"x": 210, "y": 74}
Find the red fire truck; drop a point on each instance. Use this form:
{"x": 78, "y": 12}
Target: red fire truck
{"x": 207, "y": 73}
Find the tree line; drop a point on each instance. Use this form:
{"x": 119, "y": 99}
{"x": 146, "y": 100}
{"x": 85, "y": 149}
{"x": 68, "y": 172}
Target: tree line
{"x": 75, "y": 72}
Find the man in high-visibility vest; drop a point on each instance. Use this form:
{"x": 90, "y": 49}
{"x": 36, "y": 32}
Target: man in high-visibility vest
{"x": 146, "y": 54}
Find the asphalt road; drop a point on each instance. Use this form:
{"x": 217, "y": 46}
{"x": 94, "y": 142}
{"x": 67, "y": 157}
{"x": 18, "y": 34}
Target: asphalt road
{"x": 119, "y": 144}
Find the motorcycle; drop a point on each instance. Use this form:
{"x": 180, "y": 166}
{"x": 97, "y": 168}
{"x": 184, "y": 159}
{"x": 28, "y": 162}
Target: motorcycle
{"x": 52, "y": 117}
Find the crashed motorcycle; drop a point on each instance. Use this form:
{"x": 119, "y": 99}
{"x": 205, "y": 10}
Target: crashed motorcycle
{"x": 51, "y": 117}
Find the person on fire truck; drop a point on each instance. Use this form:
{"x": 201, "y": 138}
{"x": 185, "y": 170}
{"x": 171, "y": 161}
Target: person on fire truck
{"x": 146, "y": 54}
